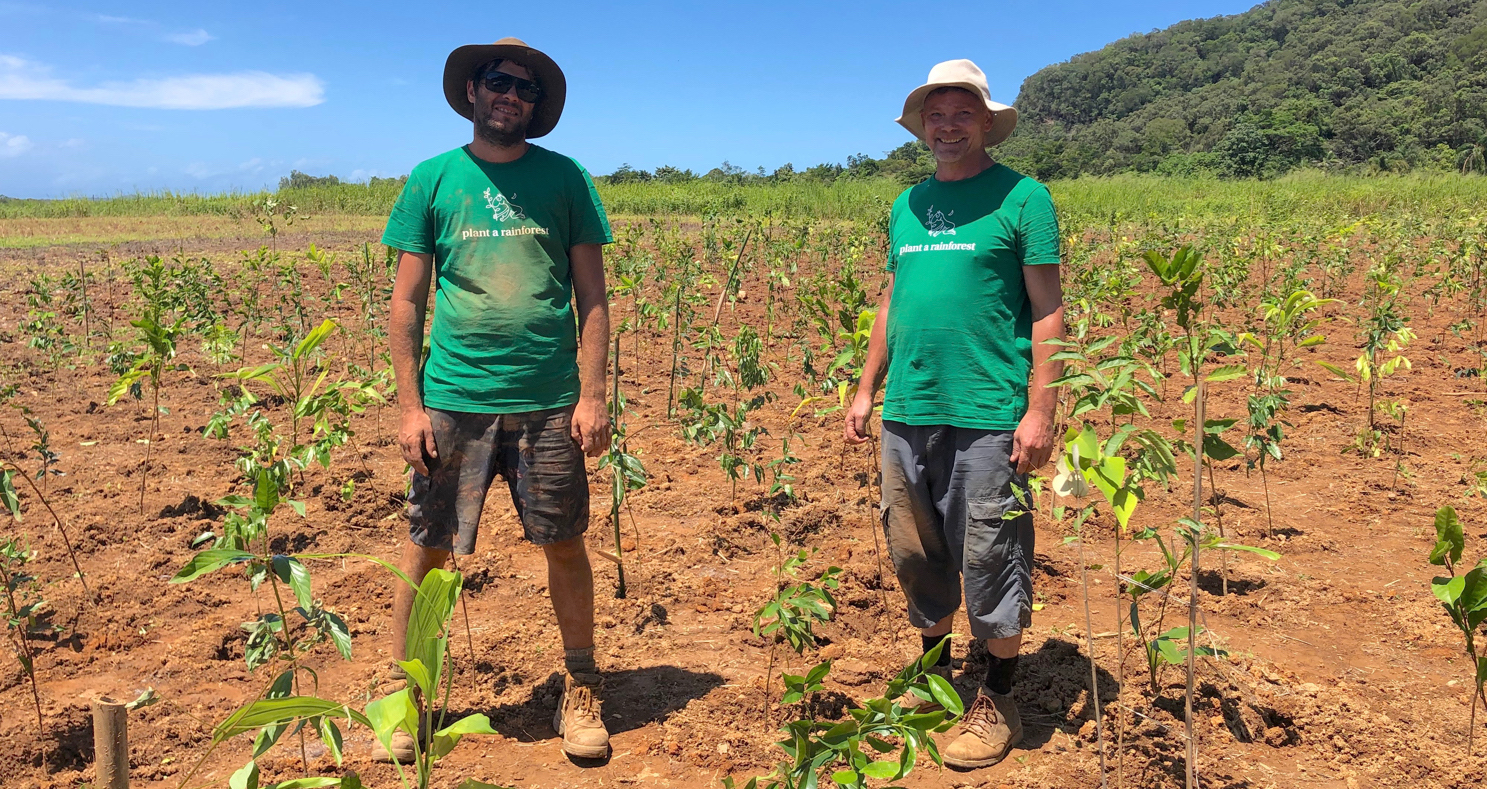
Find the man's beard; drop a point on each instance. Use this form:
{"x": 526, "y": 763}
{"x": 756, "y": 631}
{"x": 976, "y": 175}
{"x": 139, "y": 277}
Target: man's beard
{"x": 501, "y": 138}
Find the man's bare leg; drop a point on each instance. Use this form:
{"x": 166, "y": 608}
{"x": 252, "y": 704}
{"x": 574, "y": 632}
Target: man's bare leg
{"x": 416, "y": 562}
{"x": 570, "y": 584}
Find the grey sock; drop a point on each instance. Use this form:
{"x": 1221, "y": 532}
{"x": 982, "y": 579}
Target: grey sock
{"x": 580, "y": 661}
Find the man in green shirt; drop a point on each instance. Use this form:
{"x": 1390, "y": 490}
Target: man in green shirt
{"x": 973, "y": 293}
{"x": 511, "y": 234}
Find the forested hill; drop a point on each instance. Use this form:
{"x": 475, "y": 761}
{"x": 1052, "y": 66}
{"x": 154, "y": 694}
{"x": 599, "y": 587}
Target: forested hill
{"x": 1369, "y": 84}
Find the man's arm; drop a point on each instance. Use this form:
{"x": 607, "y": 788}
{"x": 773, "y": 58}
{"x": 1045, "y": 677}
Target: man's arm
{"x": 591, "y": 423}
{"x": 410, "y": 298}
{"x": 872, "y": 371}
{"x": 1032, "y": 444}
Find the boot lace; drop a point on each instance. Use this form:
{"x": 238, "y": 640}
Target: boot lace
{"x": 982, "y": 718}
{"x": 582, "y": 703}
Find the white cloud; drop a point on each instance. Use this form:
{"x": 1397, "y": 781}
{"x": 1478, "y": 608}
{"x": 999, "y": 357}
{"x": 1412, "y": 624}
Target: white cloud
{"x": 24, "y": 79}
{"x": 13, "y": 144}
{"x": 194, "y": 38}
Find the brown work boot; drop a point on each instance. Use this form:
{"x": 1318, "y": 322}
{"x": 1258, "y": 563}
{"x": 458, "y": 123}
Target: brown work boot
{"x": 401, "y": 749}
{"x": 401, "y": 746}
{"x": 917, "y": 706}
{"x": 578, "y": 719}
{"x": 986, "y": 733}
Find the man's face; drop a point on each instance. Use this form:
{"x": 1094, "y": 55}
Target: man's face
{"x": 501, "y": 119}
{"x": 955, "y": 124}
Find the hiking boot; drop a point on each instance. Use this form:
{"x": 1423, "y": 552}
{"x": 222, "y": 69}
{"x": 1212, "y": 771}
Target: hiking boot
{"x": 401, "y": 749}
{"x": 986, "y": 733}
{"x": 401, "y": 745}
{"x": 578, "y": 720}
{"x": 917, "y": 706}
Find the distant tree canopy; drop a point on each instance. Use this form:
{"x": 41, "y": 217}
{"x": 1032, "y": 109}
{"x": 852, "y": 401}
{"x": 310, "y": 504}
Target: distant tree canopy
{"x": 1374, "y": 85}
{"x": 299, "y": 180}
{"x": 909, "y": 163}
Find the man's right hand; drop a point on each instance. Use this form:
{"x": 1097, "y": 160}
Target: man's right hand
{"x": 857, "y": 415}
{"x": 416, "y": 438}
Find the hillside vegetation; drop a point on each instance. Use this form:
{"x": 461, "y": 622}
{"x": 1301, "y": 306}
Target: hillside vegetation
{"x": 1369, "y": 85}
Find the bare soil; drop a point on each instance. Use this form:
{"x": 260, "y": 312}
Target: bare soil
{"x": 1342, "y": 670}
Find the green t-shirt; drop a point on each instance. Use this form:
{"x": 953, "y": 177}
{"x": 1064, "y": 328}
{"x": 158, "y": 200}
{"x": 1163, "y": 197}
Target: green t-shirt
{"x": 960, "y": 324}
{"x": 504, "y": 338}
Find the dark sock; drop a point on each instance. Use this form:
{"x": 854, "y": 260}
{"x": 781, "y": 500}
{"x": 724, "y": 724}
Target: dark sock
{"x": 930, "y": 642}
{"x": 580, "y": 661}
{"x": 999, "y": 674}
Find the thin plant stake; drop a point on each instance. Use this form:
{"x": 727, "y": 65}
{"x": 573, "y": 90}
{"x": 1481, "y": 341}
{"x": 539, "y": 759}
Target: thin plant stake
{"x": 1094, "y": 680}
{"x": 620, "y": 483}
{"x": 1192, "y": 754}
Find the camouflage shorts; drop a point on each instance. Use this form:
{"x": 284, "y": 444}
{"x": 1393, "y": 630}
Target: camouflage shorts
{"x": 533, "y": 451}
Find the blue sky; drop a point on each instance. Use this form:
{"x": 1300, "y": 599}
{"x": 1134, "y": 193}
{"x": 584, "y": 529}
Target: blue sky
{"x": 207, "y": 97}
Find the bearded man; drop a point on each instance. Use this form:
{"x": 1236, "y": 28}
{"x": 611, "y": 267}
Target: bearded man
{"x": 973, "y": 294}
{"x": 511, "y": 234}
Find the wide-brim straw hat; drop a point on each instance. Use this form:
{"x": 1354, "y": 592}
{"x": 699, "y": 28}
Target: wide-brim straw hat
{"x": 958, "y": 74}
{"x": 461, "y": 65}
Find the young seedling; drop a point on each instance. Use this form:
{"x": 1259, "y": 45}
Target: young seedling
{"x": 795, "y": 609}
{"x": 880, "y": 741}
{"x": 24, "y": 611}
{"x": 1465, "y": 599}
{"x": 159, "y": 350}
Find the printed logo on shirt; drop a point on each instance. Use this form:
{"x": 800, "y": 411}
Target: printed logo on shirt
{"x": 939, "y": 222}
{"x": 502, "y": 210}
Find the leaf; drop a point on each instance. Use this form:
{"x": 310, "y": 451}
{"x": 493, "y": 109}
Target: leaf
{"x": 1449, "y": 540}
{"x": 312, "y": 340}
{"x": 1228, "y": 372}
{"x": 292, "y": 572}
{"x": 330, "y": 734}
{"x": 1230, "y": 546}
{"x": 266, "y": 711}
{"x": 265, "y": 492}
{"x": 1334, "y": 369}
{"x": 446, "y": 738}
{"x": 945, "y": 694}
{"x": 432, "y": 607}
{"x": 390, "y": 713}
{"x": 419, "y": 673}
{"x": 207, "y": 561}
{"x": 307, "y": 783}
{"x": 146, "y": 698}
{"x": 339, "y": 634}
{"x": 245, "y": 778}
{"x": 881, "y": 770}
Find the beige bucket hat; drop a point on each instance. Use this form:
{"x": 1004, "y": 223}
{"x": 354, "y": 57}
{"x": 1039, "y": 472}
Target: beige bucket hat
{"x": 958, "y": 74}
{"x": 462, "y": 64}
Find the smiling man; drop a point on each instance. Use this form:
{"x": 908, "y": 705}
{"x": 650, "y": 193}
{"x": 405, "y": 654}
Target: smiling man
{"x": 511, "y": 235}
{"x": 973, "y": 292}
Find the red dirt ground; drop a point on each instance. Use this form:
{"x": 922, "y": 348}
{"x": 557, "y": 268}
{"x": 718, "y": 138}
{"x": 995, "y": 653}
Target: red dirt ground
{"x": 1342, "y": 669}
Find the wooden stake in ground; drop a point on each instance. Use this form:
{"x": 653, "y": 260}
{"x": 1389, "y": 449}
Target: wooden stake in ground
{"x": 111, "y": 743}
{"x": 618, "y": 494}
{"x": 1192, "y": 753}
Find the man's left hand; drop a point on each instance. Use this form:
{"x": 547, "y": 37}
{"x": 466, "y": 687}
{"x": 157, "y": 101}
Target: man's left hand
{"x": 591, "y": 426}
{"x": 1032, "y": 444}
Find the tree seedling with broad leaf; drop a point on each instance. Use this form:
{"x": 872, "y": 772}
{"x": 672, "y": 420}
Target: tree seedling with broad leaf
{"x": 159, "y": 342}
{"x": 24, "y": 611}
{"x": 880, "y": 741}
{"x": 1465, "y": 599}
{"x": 795, "y": 609}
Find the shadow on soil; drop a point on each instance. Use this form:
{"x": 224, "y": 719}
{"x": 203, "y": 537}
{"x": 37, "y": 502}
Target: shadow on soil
{"x": 632, "y": 699}
{"x": 1050, "y": 683}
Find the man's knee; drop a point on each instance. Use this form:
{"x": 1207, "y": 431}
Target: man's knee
{"x": 571, "y": 550}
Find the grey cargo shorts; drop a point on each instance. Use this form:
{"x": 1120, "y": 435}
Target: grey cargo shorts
{"x": 534, "y": 451}
{"x": 950, "y": 513}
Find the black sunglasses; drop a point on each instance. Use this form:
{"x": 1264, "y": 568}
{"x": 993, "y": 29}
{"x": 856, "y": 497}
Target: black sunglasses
{"x": 499, "y": 82}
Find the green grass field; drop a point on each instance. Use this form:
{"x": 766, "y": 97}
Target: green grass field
{"x": 1082, "y": 201}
